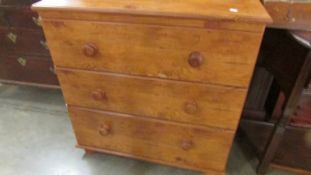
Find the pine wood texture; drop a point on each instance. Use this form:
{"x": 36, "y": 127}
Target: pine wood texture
{"x": 249, "y": 10}
{"x": 163, "y": 81}
{"x": 179, "y": 144}
{"x": 200, "y": 104}
{"x": 155, "y": 51}
{"x": 153, "y": 20}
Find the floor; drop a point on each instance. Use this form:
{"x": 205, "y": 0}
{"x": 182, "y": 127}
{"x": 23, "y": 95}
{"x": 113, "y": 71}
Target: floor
{"x": 36, "y": 138}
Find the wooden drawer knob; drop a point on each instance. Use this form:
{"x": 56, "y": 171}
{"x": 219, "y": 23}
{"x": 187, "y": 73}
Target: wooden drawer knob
{"x": 99, "y": 95}
{"x": 186, "y": 144}
{"x": 104, "y": 129}
{"x": 90, "y": 50}
{"x": 195, "y": 59}
{"x": 191, "y": 107}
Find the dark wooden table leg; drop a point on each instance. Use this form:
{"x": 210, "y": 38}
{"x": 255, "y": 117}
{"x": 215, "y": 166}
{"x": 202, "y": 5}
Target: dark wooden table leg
{"x": 288, "y": 109}
{"x": 271, "y": 148}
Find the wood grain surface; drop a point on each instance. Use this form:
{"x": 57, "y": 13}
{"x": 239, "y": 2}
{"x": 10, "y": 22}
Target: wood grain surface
{"x": 170, "y": 100}
{"x": 155, "y": 51}
{"x": 153, "y": 139}
{"x": 153, "y": 20}
{"x": 163, "y": 81}
{"x": 245, "y": 10}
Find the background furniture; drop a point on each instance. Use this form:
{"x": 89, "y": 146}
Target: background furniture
{"x": 289, "y": 14}
{"x": 282, "y": 136}
{"x": 286, "y": 14}
{"x": 282, "y": 57}
{"x": 163, "y": 81}
{"x": 24, "y": 54}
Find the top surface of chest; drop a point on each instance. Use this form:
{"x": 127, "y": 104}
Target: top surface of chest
{"x": 236, "y": 10}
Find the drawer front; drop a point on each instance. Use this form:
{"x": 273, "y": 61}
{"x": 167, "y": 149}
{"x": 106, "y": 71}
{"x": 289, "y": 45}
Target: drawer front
{"x": 176, "y": 144}
{"x": 192, "y": 54}
{"x": 19, "y": 17}
{"x": 22, "y": 42}
{"x": 164, "y": 99}
{"x": 28, "y": 69}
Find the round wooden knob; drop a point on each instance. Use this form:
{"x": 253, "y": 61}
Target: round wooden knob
{"x": 195, "y": 59}
{"x": 186, "y": 145}
{"x": 90, "y": 50}
{"x": 191, "y": 107}
{"x": 104, "y": 129}
{"x": 99, "y": 95}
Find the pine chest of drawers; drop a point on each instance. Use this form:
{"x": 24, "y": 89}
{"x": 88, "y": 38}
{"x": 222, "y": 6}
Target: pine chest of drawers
{"x": 163, "y": 81}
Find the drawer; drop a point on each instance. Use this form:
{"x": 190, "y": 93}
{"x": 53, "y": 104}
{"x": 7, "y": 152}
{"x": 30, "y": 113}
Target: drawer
{"x": 27, "y": 69}
{"x": 22, "y": 42}
{"x": 187, "y": 102}
{"x": 181, "y": 145}
{"x": 181, "y": 53}
{"x": 19, "y": 17}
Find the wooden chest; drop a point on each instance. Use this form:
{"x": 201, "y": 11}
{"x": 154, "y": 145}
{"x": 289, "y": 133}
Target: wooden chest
{"x": 163, "y": 81}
